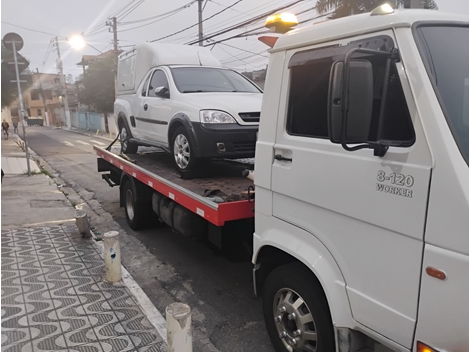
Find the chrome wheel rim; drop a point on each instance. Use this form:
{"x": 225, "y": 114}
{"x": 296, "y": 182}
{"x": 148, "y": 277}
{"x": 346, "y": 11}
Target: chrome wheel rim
{"x": 123, "y": 138}
{"x": 129, "y": 205}
{"x": 294, "y": 321}
{"x": 181, "y": 151}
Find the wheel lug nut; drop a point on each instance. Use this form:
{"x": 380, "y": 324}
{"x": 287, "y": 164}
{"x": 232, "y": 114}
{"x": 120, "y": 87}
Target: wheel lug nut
{"x": 297, "y": 333}
{"x": 282, "y": 309}
{"x": 292, "y": 342}
{"x": 291, "y": 316}
{"x": 278, "y": 319}
{"x": 283, "y": 335}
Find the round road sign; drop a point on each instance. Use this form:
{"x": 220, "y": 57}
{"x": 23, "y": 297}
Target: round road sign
{"x": 8, "y": 41}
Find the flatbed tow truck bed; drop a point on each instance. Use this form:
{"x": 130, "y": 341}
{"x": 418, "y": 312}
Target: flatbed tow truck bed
{"x": 218, "y": 192}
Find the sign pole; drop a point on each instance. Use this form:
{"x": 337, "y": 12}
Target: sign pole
{"x": 20, "y": 98}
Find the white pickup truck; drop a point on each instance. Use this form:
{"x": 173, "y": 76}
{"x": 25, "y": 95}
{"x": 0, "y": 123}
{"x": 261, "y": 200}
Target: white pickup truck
{"x": 361, "y": 178}
{"x": 181, "y": 99}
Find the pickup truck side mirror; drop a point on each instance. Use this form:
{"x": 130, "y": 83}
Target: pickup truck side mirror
{"x": 162, "y": 92}
{"x": 358, "y": 107}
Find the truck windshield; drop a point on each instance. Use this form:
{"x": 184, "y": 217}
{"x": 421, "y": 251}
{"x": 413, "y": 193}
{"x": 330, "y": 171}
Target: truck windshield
{"x": 445, "y": 51}
{"x": 204, "y": 79}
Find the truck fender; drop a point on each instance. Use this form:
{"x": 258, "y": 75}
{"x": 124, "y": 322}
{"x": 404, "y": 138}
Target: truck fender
{"x": 183, "y": 119}
{"x": 122, "y": 110}
{"x": 307, "y": 249}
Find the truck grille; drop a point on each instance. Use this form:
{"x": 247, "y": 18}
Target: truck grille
{"x": 241, "y": 147}
{"x": 250, "y": 116}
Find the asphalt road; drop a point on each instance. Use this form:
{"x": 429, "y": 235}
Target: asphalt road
{"x": 168, "y": 266}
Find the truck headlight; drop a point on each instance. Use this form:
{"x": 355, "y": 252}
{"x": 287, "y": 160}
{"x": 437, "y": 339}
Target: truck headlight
{"x": 215, "y": 116}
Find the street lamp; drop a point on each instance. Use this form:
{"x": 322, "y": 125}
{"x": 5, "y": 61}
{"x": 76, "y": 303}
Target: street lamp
{"x": 77, "y": 42}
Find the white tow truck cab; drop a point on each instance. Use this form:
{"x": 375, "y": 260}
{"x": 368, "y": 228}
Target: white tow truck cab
{"x": 181, "y": 99}
{"x": 361, "y": 175}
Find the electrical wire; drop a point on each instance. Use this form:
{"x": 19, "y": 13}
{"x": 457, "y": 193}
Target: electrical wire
{"x": 158, "y": 16}
{"x": 132, "y": 9}
{"x": 46, "y": 57}
{"x": 144, "y": 25}
{"x": 184, "y": 29}
{"x": 33, "y": 30}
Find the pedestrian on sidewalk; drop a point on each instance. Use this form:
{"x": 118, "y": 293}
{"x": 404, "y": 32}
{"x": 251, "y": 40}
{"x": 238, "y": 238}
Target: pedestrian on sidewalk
{"x": 5, "y": 127}
{"x": 15, "y": 127}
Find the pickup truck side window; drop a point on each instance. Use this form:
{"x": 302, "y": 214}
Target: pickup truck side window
{"x": 308, "y": 98}
{"x": 145, "y": 86}
{"x": 158, "y": 80}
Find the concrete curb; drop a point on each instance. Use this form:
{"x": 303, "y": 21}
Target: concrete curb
{"x": 148, "y": 308}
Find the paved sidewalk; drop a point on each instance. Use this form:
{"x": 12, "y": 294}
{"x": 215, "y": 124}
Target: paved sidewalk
{"x": 53, "y": 294}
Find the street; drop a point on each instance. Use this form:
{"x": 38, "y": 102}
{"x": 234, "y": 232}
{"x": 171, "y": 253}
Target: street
{"x": 168, "y": 266}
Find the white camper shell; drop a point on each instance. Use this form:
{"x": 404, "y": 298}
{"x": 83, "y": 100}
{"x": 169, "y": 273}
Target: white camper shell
{"x": 135, "y": 63}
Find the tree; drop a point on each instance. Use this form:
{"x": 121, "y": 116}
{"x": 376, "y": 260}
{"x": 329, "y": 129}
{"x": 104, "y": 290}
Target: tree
{"x": 69, "y": 79}
{"x": 343, "y": 8}
{"x": 98, "y": 82}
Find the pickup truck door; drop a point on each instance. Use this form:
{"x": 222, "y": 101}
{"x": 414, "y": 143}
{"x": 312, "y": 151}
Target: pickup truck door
{"x": 369, "y": 211}
{"x": 154, "y": 111}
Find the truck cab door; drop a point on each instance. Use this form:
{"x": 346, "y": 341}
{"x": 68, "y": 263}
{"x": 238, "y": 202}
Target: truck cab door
{"x": 369, "y": 211}
{"x": 154, "y": 110}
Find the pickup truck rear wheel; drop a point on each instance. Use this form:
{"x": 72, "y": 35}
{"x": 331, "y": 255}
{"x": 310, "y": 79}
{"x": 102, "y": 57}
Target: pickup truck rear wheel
{"x": 296, "y": 311}
{"x": 182, "y": 152}
{"x": 126, "y": 146}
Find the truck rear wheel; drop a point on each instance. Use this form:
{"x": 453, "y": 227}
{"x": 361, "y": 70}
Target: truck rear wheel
{"x": 182, "y": 151}
{"x": 138, "y": 214}
{"x": 296, "y": 312}
{"x": 124, "y": 136}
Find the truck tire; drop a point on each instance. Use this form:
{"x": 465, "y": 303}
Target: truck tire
{"x": 138, "y": 214}
{"x": 304, "y": 326}
{"x": 124, "y": 136}
{"x": 182, "y": 151}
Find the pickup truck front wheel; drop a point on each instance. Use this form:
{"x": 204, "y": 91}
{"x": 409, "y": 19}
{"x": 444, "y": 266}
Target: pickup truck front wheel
{"x": 182, "y": 152}
{"x": 126, "y": 146}
{"x": 296, "y": 311}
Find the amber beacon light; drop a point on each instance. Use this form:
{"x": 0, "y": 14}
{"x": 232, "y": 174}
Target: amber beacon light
{"x": 281, "y": 22}
{"x": 421, "y": 347}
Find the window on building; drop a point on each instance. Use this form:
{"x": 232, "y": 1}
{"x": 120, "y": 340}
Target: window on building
{"x": 308, "y": 98}
{"x": 47, "y": 94}
{"x": 39, "y": 113}
{"x": 34, "y": 95}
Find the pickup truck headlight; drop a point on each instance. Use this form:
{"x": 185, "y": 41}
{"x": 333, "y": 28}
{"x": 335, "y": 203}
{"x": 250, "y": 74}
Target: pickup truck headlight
{"x": 215, "y": 116}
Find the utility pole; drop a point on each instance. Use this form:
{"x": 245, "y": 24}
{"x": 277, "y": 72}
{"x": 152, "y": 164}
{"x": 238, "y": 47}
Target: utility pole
{"x": 63, "y": 86}
{"x": 42, "y": 97}
{"x": 113, "y": 24}
{"x": 199, "y": 3}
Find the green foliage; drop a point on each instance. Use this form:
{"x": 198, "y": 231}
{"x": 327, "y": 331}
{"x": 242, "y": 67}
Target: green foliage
{"x": 343, "y": 8}
{"x": 98, "y": 82}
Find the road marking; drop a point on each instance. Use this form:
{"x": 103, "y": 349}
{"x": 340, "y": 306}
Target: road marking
{"x": 68, "y": 144}
{"x": 96, "y": 142}
{"x": 84, "y": 143}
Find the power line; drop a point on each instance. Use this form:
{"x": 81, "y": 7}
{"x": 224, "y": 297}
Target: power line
{"x": 132, "y": 9}
{"x": 158, "y": 16}
{"x": 147, "y": 24}
{"x": 197, "y": 23}
{"x": 33, "y": 30}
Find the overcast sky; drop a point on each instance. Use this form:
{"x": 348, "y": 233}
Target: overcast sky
{"x": 44, "y": 19}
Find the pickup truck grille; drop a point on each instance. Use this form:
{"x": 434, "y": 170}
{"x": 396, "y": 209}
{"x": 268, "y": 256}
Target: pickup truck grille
{"x": 250, "y": 116}
{"x": 241, "y": 147}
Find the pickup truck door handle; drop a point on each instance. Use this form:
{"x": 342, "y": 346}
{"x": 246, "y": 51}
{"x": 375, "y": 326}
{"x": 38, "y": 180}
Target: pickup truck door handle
{"x": 281, "y": 158}
{"x": 145, "y": 107}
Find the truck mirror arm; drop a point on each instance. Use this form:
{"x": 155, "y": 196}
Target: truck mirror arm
{"x": 379, "y": 147}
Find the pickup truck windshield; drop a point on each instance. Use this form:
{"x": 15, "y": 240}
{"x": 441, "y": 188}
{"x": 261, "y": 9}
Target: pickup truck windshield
{"x": 445, "y": 51}
{"x": 204, "y": 79}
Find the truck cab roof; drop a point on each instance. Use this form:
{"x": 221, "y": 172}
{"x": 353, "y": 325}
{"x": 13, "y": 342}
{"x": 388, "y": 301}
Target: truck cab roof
{"x": 360, "y": 24}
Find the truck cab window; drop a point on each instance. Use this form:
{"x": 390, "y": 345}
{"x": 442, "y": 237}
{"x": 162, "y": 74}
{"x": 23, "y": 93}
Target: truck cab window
{"x": 158, "y": 80}
{"x": 145, "y": 86}
{"x": 308, "y": 100}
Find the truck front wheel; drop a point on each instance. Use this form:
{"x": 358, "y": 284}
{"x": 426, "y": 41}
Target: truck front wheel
{"x": 138, "y": 213}
{"x": 296, "y": 311}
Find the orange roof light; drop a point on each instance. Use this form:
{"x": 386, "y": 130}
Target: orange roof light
{"x": 423, "y": 348}
{"x": 281, "y": 22}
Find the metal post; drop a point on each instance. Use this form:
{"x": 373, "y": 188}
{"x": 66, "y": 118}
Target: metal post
{"x": 20, "y": 98}
{"x": 178, "y": 327}
{"x": 199, "y": 3}
{"x": 64, "y": 87}
{"x": 81, "y": 220}
{"x": 112, "y": 256}
{"x": 115, "y": 40}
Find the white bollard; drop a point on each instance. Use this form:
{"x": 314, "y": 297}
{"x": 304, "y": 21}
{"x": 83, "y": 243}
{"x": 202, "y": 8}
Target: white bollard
{"x": 178, "y": 327}
{"x": 112, "y": 256}
{"x": 81, "y": 220}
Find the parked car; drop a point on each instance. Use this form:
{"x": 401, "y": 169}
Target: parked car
{"x": 181, "y": 99}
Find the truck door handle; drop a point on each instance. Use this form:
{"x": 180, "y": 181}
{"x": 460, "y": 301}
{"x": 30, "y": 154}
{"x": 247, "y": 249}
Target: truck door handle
{"x": 145, "y": 107}
{"x": 281, "y": 158}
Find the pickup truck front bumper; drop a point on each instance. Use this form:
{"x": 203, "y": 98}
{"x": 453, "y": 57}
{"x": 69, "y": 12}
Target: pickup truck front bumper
{"x": 225, "y": 140}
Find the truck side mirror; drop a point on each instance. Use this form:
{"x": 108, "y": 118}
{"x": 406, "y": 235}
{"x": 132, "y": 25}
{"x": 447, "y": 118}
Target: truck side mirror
{"x": 162, "y": 92}
{"x": 358, "y": 107}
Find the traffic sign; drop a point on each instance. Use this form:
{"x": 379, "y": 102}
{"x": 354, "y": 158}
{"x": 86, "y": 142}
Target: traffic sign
{"x": 11, "y": 37}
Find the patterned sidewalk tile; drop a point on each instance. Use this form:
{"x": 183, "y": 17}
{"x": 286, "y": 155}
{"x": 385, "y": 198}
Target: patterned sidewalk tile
{"x": 54, "y": 297}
